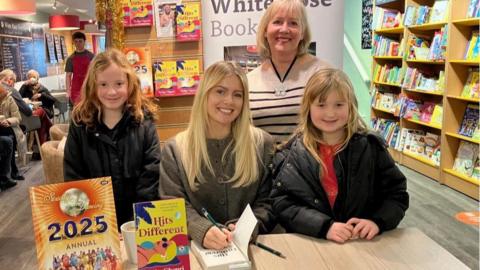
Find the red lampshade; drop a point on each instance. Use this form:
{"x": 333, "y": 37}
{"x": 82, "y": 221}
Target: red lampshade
{"x": 64, "y": 22}
{"x": 17, "y": 7}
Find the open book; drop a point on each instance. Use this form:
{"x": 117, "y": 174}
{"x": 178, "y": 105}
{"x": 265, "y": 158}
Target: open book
{"x": 236, "y": 255}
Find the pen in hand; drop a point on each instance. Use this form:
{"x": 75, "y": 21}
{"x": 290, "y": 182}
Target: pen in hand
{"x": 269, "y": 249}
{"x": 209, "y": 217}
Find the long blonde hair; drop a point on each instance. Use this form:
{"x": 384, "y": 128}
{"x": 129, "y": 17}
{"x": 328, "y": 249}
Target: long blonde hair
{"x": 319, "y": 86}
{"x": 192, "y": 143}
{"x": 294, "y": 7}
{"x": 89, "y": 109}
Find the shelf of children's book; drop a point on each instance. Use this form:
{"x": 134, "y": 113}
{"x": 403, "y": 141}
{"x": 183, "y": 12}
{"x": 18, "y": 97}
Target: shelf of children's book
{"x": 423, "y": 123}
{"x": 386, "y": 57}
{"x": 427, "y": 26}
{"x": 433, "y": 92}
{"x": 467, "y": 22}
{"x": 465, "y": 138}
{"x": 384, "y": 110}
{"x": 462, "y": 176}
{"x": 465, "y": 62}
{"x": 464, "y": 98}
{"x": 453, "y": 180}
{"x": 420, "y": 158}
{"x": 394, "y": 30}
{"x": 430, "y": 62}
{"x": 387, "y": 84}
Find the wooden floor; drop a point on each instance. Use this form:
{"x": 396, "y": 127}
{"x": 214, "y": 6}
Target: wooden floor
{"x": 432, "y": 210}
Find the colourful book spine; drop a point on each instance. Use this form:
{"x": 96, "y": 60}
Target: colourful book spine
{"x": 75, "y": 225}
{"x": 188, "y": 21}
{"x": 161, "y": 235}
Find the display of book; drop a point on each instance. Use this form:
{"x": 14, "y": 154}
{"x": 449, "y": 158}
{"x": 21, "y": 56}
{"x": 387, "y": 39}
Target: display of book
{"x": 75, "y": 224}
{"x": 470, "y": 120}
{"x": 466, "y": 156}
{"x": 137, "y": 13}
{"x": 236, "y": 255}
{"x": 188, "y": 21}
{"x": 161, "y": 235}
{"x": 141, "y": 60}
{"x": 165, "y": 18}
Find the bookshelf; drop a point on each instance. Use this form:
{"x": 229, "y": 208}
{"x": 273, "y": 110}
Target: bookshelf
{"x": 454, "y": 69}
{"x": 173, "y": 112}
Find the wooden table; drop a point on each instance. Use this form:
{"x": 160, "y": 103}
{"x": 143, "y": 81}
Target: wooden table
{"x": 397, "y": 249}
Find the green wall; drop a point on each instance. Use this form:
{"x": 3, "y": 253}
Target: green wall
{"x": 352, "y": 30}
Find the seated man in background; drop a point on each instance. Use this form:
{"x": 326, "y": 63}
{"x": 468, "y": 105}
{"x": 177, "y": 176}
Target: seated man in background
{"x": 8, "y": 78}
{"x": 35, "y": 91}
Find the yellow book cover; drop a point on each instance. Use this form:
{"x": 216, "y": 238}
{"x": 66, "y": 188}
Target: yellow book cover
{"x": 188, "y": 21}
{"x": 188, "y": 74}
{"x": 75, "y": 225}
{"x": 165, "y": 78}
{"x": 161, "y": 235}
{"x": 137, "y": 13}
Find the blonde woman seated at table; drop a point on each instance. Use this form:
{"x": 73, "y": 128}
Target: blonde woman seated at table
{"x": 35, "y": 91}
{"x": 221, "y": 162}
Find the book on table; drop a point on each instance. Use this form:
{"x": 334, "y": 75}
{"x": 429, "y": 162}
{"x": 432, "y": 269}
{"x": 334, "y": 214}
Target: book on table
{"x": 161, "y": 235}
{"x": 236, "y": 255}
{"x": 75, "y": 225}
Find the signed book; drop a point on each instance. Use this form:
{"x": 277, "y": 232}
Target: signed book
{"x": 75, "y": 225}
{"x": 161, "y": 235}
{"x": 236, "y": 255}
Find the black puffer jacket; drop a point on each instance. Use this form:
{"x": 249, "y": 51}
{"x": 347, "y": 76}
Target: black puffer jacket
{"x": 370, "y": 186}
{"x": 130, "y": 154}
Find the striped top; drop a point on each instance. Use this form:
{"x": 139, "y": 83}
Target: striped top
{"x": 278, "y": 115}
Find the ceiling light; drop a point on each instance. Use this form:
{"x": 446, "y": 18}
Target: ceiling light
{"x": 17, "y": 7}
{"x": 64, "y": 22}
{"x": 54, "y": 4}
{"x": 66, "y": 10}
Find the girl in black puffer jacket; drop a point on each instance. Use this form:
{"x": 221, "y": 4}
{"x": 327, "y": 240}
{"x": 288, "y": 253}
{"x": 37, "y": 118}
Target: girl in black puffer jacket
{"x": 335, "y": 179}
{"x": 113, "y": 134}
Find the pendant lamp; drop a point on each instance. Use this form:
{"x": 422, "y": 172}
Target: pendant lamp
{"x": 64, "y": 22}
{"x": 17, "y": 7}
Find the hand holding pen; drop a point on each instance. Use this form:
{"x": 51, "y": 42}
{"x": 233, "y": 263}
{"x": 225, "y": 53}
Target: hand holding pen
{"x": 218, "y": 236}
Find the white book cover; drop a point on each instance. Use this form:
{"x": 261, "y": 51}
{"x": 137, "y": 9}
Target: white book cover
{"x": 236, "y": 255}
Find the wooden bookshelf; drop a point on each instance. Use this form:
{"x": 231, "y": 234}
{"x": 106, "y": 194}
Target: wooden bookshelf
{"x": 173, "y": 113}
{"x": 383, "y": 110}
{"x": 395, "y": 30}
{"x": 388, "y": 84}
{"x": 428, "y": 26}
{"x": 433, "y": 93}
{"x": 456, "y": 68}
{"x": 461, "y": 137}
{"x": 454, "y": 105}
{"x": 398, "y": 58}
{"x": 423, "y": 123}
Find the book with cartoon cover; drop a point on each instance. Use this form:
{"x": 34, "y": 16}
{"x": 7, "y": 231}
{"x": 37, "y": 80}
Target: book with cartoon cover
{"x": 165, "y": 77}
{"x": 188, "y": 75}
{"x": 161, "y": 235}
{"x": 75, "y": 225}
{"x": 137, "y": 13}
{"x": 188, "y": 21}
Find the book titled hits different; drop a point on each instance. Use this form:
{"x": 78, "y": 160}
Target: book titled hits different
{"x": 75, "y": 225}
{"x": 161, "y": 235}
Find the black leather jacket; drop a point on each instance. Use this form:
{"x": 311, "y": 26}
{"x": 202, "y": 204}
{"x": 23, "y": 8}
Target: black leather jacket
{"x": 130, "y": 154}
{"x": 370, "y": 186}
